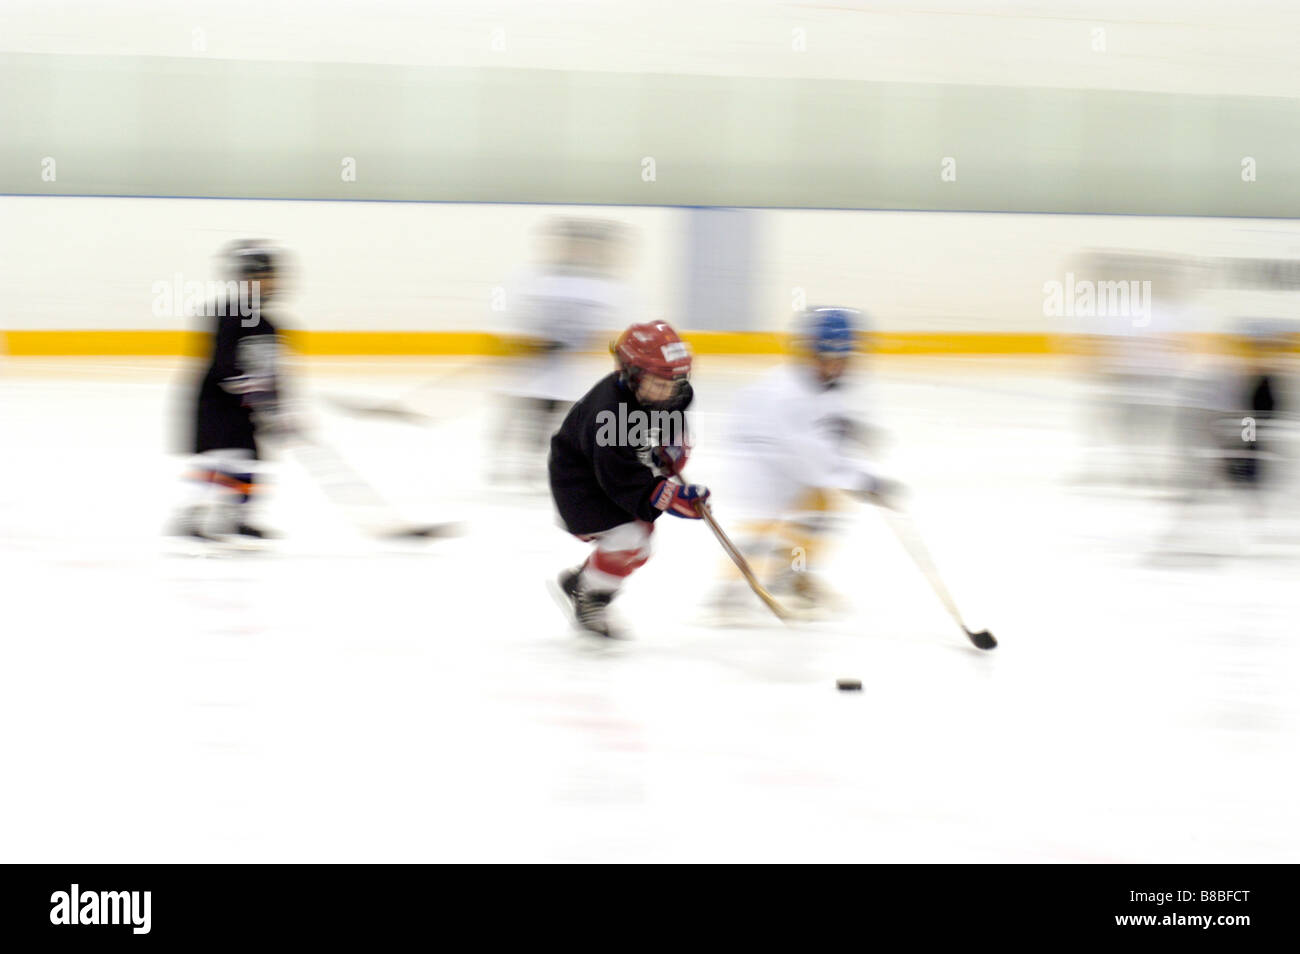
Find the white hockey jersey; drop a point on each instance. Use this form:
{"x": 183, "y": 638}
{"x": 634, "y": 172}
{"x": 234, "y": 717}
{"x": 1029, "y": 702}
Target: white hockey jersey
{"x": 569, "y": 309}
{"x": 788, "y": 435}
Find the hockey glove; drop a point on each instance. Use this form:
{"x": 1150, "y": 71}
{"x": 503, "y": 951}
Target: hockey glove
{"x": 679, "y": 499}
{"x": 274, "y": 419}
{"x": 881, "y": 491}
{"x": 670, "y": 458}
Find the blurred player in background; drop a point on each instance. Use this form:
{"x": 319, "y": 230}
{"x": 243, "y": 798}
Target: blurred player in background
{"x": 793, "y": 444}
{"x": 1237, "y": 440}
{"x": 558, "y": 309}
{"x": 1133, "y": 362}
{"x": 238, "y": 398}
{"x": 610, "y": 483}
{"x": 1255, "y": 403}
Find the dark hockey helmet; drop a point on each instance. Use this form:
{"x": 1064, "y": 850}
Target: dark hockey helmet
{"x": 251, "y": 258}
{"x": 654, "y": 348}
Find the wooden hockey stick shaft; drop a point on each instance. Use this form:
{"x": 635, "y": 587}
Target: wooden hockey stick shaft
{"x": 738, "y": 558}
{"x": 911, "y": 540}
{"x": 902, "y": 526}
{"x": 399, "y": 407}
{"x": 351, "y": 492}
{"x": 741, "y": 563}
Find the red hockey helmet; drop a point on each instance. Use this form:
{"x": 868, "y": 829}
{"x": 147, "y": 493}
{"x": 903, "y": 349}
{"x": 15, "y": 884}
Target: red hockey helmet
{"x": 652, "y": 348}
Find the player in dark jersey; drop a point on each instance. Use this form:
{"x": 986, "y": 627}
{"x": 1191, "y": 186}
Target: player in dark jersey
{"x": 1254, "y": 401}
{"x": 237, "y": 397}
{"x": 1231, "y": 418}
{"x": 615, "y": 461}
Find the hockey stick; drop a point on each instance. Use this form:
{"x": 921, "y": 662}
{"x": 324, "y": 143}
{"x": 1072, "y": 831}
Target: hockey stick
{"x": 351, "y": 492}
{"x": 907, "y": 535}
{"x": 392, "y": 410}
{"x": 397, "y": 409}
{"x": 738, "y": 558}
{"x": 742, "y": 564}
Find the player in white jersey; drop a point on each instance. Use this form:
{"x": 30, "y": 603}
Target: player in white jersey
{"x": 558, "y": 310}
{"x": 795, "y": 451}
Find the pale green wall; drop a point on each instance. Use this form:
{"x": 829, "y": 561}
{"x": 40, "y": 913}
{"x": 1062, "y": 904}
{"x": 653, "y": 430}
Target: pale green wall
{"x": 205, "y": 127}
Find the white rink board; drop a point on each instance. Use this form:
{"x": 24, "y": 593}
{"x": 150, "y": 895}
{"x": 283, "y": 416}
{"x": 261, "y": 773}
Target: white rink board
{"x": 92, "y": 263}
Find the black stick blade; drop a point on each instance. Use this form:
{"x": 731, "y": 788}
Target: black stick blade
{"x": 428, "y": 532}
{"x": 983, "y": 639}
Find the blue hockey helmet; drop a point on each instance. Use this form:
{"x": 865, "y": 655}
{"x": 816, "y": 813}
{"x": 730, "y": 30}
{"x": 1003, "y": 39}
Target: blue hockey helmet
{"x": 830, "y": 331}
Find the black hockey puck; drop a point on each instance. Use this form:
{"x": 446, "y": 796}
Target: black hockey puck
{"x": 848, "y": 685}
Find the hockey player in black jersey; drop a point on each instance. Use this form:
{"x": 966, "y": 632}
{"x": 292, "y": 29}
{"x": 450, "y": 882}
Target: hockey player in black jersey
{"x": 237, "y": 397}
{"x": 1254, "y": 402}
{"x": 614, "y": 464}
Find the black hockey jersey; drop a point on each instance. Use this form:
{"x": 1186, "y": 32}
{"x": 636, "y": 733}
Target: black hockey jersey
{"x": 1259, "y": 403}
{"x": 596, "y": 483}
{"x": 242, "y": 370}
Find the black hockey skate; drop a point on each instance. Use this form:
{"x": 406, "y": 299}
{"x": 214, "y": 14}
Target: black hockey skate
{"x": 588, "y": 608}
{"x": 240, "y": 536}
{"x": 188, "y": 526}
{"x": 589, "y": 613}
{"x": 191, "y": 536}
{"x": 253, "y": 533}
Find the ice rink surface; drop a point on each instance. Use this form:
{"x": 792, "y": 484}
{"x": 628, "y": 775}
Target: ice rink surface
{"x": 343, "y": 699}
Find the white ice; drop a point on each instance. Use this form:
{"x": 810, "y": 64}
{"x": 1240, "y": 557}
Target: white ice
{"x": 341, "y": 699}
